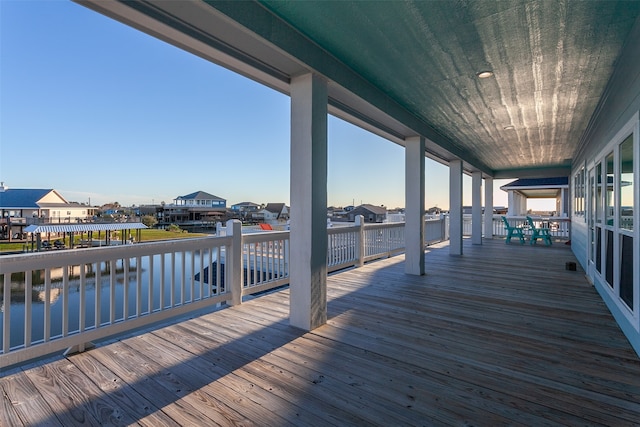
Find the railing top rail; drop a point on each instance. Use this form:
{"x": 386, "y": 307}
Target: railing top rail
{"x": 344, "y": 229}
{"x": 433, "y": 219}
{"x": 551, "y": 218}
{"x": 266, "y": 236}
{"x": 49, "y": 259}
{"x": 385, "y": 225}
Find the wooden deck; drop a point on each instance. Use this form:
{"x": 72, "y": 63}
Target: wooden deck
{"x": 482, "y": 339}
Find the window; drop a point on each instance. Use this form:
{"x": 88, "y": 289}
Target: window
{"x": 610, "y": 196}
{"x": 597, "y": 215}
{"x": 598, "y": 195}
{"x": 614, "y": 253}
{"x": 579, "y": 194}
{"x": 626, "y": 184}
{"x": 592, "y": 215}
{"x": 626, "y": 271}
{"x": 576, "y": 195}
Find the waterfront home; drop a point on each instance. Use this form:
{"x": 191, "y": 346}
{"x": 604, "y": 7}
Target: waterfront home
{"x": 472, "y": 332}
{"x": 245, "y": 207}
{"x": 371, "y": 213}
{"x": 244, "y": 211}
{"x": 20, "y": 207}
{"x": 195, "y": 208}
{"x": 273, "y": 214}
{"x": 200, "y": 199}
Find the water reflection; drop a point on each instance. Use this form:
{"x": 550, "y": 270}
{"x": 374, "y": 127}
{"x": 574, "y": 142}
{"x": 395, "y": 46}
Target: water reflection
{"x": 185, "y": 288}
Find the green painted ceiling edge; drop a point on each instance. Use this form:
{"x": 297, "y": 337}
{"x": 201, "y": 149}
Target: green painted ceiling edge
{"x": 266, "y": 24}
{"x": 260, "y": 20}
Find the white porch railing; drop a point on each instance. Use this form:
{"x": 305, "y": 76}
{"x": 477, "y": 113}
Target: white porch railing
{"x": 66, "y": 299}
{"x": 559, "y": 227}
{"x": 436, "y": 229}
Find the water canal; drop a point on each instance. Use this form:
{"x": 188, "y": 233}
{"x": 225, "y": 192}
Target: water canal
{"x": 121, "y": 296}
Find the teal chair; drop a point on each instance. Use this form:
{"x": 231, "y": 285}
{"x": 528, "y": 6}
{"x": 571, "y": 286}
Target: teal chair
{"x": 538, "y": 233}
{"x": 512, "y": 231}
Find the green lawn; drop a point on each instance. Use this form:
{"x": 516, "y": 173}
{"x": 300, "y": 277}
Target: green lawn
{"x": 146, "y": 235}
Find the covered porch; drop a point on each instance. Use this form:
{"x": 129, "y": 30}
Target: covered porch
{"x": 503, "y": 335}
{"x": 492, "y": 90}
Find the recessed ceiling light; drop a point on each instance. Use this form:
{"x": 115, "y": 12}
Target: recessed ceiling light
{"x": 484, "y": 74}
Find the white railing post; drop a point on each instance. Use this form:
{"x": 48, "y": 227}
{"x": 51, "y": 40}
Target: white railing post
{"x": 488, "y": 208}
{"x": 234, "y": 261}
{"x": 455, "y": 207}
{"x": 443, "y": 227}
{"x": 360, "y": 240}
{"x": 476, "y": 208}
{"x": 6, "y": 313}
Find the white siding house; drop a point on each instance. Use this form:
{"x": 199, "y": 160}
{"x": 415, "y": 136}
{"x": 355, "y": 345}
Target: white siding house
{"x": 604, "y": 184}
{"x": 200, "y": 199}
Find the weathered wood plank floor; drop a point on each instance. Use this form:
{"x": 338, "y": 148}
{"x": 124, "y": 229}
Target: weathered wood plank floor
{"x": 501, "y": 336}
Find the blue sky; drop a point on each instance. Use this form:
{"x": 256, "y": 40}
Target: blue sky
{"x": 103, "y": 113}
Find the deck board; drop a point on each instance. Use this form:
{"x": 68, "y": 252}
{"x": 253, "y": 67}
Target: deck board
{"x": 488, "y": 338}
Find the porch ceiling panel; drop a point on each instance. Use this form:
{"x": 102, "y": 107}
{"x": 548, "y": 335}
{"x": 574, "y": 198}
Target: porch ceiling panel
{"x": 541, "y": 194}
{"x": 403, "y": 68}
{"x": 551, "y": 61}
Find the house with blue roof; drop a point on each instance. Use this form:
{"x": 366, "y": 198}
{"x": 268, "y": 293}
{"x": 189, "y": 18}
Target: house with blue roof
{"x": 201, "y": 199}
{"x": 20, "y": 207}
{"x": 194, "y": 209}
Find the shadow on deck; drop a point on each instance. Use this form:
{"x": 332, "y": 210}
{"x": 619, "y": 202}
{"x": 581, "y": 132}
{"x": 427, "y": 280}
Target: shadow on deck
{"x": 502, "y": 335}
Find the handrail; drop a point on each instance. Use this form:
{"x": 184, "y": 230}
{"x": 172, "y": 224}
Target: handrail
{"x": 87, "y": 294}
{"x": 559, "y": 227}
{"x": 84, "y": 277}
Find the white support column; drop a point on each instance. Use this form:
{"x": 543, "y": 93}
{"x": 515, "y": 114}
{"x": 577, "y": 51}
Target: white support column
{"x": 511, "y": 203}
{"x": 455, "y": 207}
{"x": 476, "y": 208}
{"x": 488, "y": 208}
{"x": 517, "y": 204}
{"x": 234, "y": 262}
{"x": 523, "y": 205}
{"x": 414, "y": 205}
{"x": 360, "y": 240}
{"x": 308, "y": 254}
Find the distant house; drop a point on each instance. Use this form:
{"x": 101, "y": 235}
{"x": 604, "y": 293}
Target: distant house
{"x": 110, "y": 209}
{"x": 40, "y": 203}
{"x": 200, "y": 199}
{"x": 500, "y": 210}
{"x": 245, "y": 207}
{"x": 194, "y": 209}
{"x": 280, "y": 210}
{"x": 468, "y": 210}
{"x": 20, "y": 207}
{"x": 371, "y": 213}
{"x": 434, "y": 210}
{"x": 273, "y": 213}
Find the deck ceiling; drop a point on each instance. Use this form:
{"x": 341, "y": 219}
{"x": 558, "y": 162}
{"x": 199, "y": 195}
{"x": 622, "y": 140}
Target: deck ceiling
{"x": 406, "y": 68}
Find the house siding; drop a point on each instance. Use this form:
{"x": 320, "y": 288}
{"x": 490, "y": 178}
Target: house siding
{"x": 619, "y": 107}
{"x": 52, "y": 197}
{"x": 579, "y": 242}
